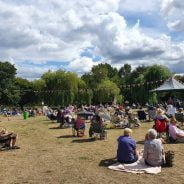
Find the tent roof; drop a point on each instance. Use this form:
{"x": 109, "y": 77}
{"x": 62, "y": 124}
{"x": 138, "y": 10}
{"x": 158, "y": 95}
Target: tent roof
{"x": 170, "y": 84}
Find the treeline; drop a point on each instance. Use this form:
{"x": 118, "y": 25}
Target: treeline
{"x": 103, "y": 84}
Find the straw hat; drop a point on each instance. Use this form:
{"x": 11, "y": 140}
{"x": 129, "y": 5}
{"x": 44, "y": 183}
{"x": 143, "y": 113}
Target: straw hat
{"x": 160, "y": 111}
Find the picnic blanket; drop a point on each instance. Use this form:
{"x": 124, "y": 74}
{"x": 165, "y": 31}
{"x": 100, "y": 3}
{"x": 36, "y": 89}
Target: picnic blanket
{"x": 137, "y": 167}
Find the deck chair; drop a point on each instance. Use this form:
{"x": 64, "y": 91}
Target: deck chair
{"x": 79, "y": 127}
{"x": 179, "y": 117}
{"x": 141, "y": 115}
{"x": 98, "y": 129}
{"x": 133, "y": 121}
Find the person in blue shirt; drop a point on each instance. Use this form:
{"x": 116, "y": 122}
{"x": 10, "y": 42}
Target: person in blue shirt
{"x": 127, "y": 152}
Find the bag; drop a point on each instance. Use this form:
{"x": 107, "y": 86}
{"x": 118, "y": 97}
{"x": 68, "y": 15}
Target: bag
{"x": 169, "y": 158}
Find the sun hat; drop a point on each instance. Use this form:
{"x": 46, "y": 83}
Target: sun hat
{"x": 160, "y": 111}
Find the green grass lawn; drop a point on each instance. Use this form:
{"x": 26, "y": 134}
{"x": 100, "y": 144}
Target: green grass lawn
{"x": 51, "y": 156}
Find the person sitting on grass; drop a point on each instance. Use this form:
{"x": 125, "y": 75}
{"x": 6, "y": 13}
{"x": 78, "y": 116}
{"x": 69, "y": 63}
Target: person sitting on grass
{"x": 160, "y": 115}
{"x": 175, "y": 133}
{"x": 153, "y": 149}
{"x": 8, "y": 139}
{"x": 127, "y": 152}
{"x": 98, "y": 127}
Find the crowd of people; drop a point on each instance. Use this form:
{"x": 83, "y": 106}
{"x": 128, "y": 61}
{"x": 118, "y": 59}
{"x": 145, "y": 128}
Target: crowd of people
{"x": 165, "y": 122}
{"x": 153, "y": 154}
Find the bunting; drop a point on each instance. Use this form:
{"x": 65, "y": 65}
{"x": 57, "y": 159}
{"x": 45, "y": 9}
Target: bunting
{"x": 126, "y": 86}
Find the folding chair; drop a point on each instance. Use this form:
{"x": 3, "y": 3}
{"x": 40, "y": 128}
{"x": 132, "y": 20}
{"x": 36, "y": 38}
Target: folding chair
{"x": 141, "y": 115}
{"x": 179, "y": 117}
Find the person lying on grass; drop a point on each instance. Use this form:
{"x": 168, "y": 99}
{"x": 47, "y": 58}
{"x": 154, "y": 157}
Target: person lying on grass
{"x": 8, "y": 139}
{"x": 127, "y": 152}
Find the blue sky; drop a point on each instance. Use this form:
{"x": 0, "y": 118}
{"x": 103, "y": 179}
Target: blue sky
{"x": 38, "y": 35}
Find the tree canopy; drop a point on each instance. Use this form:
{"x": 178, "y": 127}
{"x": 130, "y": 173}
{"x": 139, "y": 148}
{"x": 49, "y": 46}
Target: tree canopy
{"x": 103, "y": 84}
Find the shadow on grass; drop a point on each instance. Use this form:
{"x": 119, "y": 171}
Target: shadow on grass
{"x": 140, "y": 142}
{"x": 58, "y": 127}
{"x": 83, "y": 140}
{"x": 66, "y": 136}
{"x": 107, "y": 162}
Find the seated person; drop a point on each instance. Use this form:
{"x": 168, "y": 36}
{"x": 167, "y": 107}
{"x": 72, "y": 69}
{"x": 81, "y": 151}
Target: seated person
{"x": 161, "y": 121}
{"x": 127, "y": 152}
{"x": 171, "y": 110}
{"x": 151, "y": 113}
{"x": 160, "y": 115}
{"x": 97, "y": 126}
{"x": 176, "y": 134}
{"x": 133, "y": 120}
{"x": 8, "y": 139}
{"x": 153, "y": 149}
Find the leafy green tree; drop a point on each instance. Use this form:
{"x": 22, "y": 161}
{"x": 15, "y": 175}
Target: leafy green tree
{"x": 38, "y": 86}
{"x": 100, "y": 73}
{"x": 157, "y": 72}
{"x": 26, "y": 91}
{"x": 106, "y": 92}
{"x": 142, "y": 80}
{"x": 125, "y": 70}
{"x": 9, "y": 95}
{"x": 84, "y": 94}
{"x": 61, "y": 87}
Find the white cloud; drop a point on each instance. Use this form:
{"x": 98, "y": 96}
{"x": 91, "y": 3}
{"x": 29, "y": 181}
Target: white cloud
{"x": 173, "y": 11}
{"x": 148, "y": 6}
{"x": 33, "y": 72}
{"x": 81, "y": 65}
{"x": 39, "y": 31}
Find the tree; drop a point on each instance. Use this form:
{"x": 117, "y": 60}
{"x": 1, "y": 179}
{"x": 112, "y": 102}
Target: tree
{"x": 61, "y": 87}
{"x": 157, "y": 72}
{"x": 100, "y": 73}
{"x": 106, "y": 92}
{"x": 9, "y": 95}
{"x": 39, "y": 86}
{"x": 26, "y": 91}
{"x": 125, "y": 70}
{"x": 142, "y": 80}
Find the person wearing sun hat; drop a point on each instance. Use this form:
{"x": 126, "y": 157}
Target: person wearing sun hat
{"x": 127, "y": 151}
{"x": 160, "y": 115}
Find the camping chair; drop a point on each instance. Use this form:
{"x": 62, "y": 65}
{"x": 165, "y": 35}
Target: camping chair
{"x": 133, "y": 121}
{"x": 97, "y": 128}
{"x": 79, "y": 127}
{"x": 179, "y": 117}
{"x": 141, "y": 115}
{"x": 151, "y": 114}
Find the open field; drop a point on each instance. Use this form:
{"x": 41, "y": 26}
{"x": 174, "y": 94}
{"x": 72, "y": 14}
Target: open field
{"x": 52, "y": 156}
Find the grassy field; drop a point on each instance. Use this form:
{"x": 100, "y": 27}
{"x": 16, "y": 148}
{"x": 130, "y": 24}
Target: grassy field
{"x": 49, "y": 155}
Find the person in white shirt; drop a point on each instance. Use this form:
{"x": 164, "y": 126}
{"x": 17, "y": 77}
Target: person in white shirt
{"x": 171, "y": 110}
